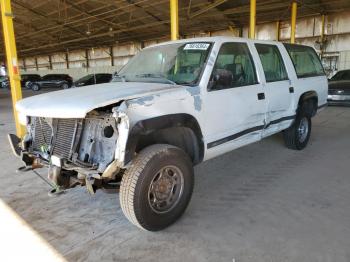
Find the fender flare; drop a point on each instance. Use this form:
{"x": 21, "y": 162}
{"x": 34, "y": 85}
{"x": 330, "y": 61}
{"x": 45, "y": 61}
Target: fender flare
{"x": 306, "y": 96}
{"x": 147, "y": 126}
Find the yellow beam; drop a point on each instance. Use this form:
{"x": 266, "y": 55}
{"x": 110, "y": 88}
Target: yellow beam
{"x": 278, "y": 29}
{"x": 12, "y": 62}
{"x": 252, "y": 20}
{"x": 174, "y": 19}
{"x": 293, "y": 22}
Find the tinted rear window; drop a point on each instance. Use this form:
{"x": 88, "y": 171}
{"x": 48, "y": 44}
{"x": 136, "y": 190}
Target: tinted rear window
{"x": 305, "y": 60}
{"x": 54, "y": 77}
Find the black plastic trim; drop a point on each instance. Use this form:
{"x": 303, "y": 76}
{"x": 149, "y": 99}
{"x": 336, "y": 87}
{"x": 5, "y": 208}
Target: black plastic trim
{"x": 247, "y": 131}
{"x": 147, "y": 126}
{"x": 261, "y": 96}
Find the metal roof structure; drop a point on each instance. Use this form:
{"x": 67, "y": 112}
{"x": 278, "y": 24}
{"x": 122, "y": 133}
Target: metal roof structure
{"x": 43, "y": 27}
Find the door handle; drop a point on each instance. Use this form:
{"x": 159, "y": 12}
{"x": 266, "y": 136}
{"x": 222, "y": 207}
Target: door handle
{"x": 291, "y": 89}
{"x": 261, "y": 96}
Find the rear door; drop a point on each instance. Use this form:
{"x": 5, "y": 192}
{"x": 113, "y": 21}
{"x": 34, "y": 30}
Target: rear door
{"x": 278, "y": 88}
{"x": 47, "y": 81}
{"x": 235, "y": 105}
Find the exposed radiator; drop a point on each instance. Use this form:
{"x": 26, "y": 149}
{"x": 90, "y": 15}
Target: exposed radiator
{"x": 57, "y": 135}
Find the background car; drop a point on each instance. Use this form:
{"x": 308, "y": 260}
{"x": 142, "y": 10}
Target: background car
{"x": 3, "y": 80}
{"x": 51, "y": 80}
{"x": 29, "y": 77}
{"x": 339, "y": 88}
{"x": 93, "y": 79}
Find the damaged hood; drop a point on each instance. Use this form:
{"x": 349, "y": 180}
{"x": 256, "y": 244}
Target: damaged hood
{"x": 77, "y": 102}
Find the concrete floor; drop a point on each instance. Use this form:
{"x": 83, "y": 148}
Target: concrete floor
{"x": 260, "y": 203}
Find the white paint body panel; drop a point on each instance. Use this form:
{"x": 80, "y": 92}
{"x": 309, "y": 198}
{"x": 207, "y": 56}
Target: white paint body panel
{"x": 77, "y": 102}
{"x": 220, "y": 113}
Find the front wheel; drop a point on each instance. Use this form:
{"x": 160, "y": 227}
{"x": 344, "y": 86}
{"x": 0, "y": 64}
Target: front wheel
{"x": 297, "y": 136}
{"x": 157, "y": 188}
{"x": 35, "y": 87}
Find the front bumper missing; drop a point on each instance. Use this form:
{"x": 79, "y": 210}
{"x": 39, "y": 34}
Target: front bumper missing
{"x": 60, "y": 179}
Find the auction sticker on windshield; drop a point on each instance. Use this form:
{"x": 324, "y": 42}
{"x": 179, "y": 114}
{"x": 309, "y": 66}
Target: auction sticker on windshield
{"x": 196, "y": 46}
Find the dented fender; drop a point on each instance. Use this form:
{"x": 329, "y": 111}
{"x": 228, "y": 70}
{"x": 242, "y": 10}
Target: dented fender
{"x": 123, "y": 125}
{"x": 139, "y": 116}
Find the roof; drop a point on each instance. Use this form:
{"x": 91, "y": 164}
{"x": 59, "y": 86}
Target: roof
{"x": 44, "y": 27}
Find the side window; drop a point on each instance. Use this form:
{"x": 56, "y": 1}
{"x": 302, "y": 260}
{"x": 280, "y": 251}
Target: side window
{"x": 346, "y": 75}
{"x": 272, "y": 62}
{"x": 305, "y": 60}
{"x": 233, "y": 67}
{"x": 102, "y": 78}
{"x": 99, "y": 79}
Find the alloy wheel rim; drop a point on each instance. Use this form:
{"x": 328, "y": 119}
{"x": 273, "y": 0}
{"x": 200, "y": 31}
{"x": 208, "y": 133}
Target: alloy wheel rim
{"x": 303, "y": 129}
{"x": 166, "y": 189}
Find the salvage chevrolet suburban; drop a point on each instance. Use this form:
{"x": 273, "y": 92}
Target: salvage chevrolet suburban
{"x": 171, "y": 107}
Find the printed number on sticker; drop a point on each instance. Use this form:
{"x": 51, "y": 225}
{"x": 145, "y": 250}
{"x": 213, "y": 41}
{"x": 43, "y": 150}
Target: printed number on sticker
{"x": 196, "y": 46}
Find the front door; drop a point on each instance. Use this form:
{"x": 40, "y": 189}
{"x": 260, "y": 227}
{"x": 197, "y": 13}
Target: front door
{"x": 235, "y": 103}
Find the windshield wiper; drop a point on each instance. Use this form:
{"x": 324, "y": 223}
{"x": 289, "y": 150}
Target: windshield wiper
{"x": 158, "y": 76}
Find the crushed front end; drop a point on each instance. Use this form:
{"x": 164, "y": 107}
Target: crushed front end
{"x": 76, "y": 151}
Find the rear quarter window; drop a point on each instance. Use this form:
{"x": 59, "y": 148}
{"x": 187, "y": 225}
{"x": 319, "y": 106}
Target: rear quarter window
{"x": 305, "y": 60}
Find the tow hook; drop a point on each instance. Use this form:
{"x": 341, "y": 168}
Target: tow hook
{"x": 56, "y": 190}
{"x": 92, "y": 181}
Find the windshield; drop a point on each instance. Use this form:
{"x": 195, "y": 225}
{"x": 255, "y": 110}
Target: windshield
{"x": 85, "y": 78}
{"x": 180, "y": 63}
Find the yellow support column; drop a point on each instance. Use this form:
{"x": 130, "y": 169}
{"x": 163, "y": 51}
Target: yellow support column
{"x": 252, "y": 20}
{"x": 293, "y": 22}
{"x": 12, "y": 63}
{"x": 174, "y": 19}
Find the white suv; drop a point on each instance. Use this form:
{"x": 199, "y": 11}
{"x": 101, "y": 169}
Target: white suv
{"x": 171, "y": 107}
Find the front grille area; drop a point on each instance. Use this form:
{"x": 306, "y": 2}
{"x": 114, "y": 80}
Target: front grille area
{"x": 55, "y": 136}
{"x": 42, "y": 134}
{"x": 339, "y": 92}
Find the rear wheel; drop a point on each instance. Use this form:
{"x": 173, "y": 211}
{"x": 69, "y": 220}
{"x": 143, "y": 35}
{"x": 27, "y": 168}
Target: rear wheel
{"x": 156, "y": 190}
{"x": 65, "y": 86}
{"x": 297, "y": 136}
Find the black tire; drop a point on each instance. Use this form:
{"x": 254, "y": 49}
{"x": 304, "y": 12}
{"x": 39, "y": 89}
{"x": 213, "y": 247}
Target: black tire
{"x": 35, "y": 87}
{"x": 65, "y": 86}
{"x": 292, "y": 135}
{"x": 136, "y": 186}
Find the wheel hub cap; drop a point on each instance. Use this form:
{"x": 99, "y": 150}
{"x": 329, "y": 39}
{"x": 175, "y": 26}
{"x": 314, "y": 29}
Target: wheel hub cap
{"x": 303, "y": 129}
{"x": 165, "y": 189}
